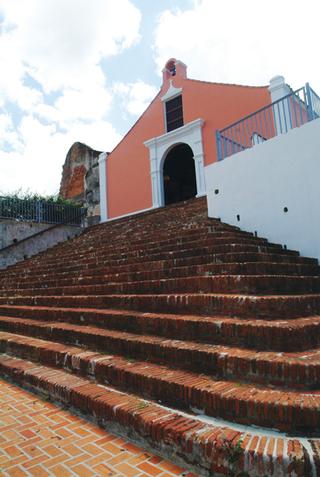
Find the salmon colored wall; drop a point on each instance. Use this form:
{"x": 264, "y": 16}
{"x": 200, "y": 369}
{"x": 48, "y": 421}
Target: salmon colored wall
{"x": 219, "y": 105}
{"x": 128, "y": 165}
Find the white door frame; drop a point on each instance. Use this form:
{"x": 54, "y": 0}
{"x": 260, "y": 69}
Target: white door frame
{"x": 159, "y": 147}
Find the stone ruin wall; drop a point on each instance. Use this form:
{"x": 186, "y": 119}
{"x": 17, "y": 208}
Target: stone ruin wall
{"x": 80, "y": 179}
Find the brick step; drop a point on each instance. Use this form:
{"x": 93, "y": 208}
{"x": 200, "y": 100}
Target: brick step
{"x": 272, "y": 307}
{"x": 188, "y": 219}
{"x": 127, "y": 251}
{"x": 208, "y": 246}
{"x": 247, "y": 341}
{"x": 137, "y": 234}
{"x": 295, "y": 370}
{"x": 250, "y": 268}
{"x": 244, "y": 284}
{"x": 220, "y": 259}
{"x": 161, "y": 238}
{"x": 231, "y": 400}
{"x": 210, "y": 445}
{"x": 135, "y": 237}
{"x": 142, "y": 235}
{"x": 191, "y": 206}
{"x": 118, "y": 259}
{"x": 166, "y": 236}
{"x": 185, "y": 236}
{"x": 83, "y": 246}
{"x": 182, "y": 226}
{"x": 286, "y": 335}
{"x": 187, "y": 253}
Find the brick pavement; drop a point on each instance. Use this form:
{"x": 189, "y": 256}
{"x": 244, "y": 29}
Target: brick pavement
{"x": 38, "y": 438}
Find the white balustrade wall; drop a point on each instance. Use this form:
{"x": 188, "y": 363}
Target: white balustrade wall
{"x": 272, "y": 189}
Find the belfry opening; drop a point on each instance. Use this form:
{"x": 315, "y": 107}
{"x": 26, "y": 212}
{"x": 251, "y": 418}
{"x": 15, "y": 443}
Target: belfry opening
{"x": 179, "y": 177}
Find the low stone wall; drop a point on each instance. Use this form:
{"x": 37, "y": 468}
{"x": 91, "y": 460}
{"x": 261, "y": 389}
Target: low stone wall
{"x": 12, "y": 231}
{"x": 29, "y": 239}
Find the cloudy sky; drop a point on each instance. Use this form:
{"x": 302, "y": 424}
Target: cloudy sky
{"x": 84, "y": 70}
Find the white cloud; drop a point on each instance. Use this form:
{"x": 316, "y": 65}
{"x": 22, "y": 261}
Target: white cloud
{"x": 12, "y": 87}
{"x": 99, "y": 135}
{"x": 72, "y": 105}
{"x": 38, "y": 164}
{"x": 59, "y": 44}
{"x": 135, "y": 96}
{"x": 56, "y": 41}
{"x": 9, "y": 138}
{"x": 56, "y": 47}
{"x": 242, "y": 42}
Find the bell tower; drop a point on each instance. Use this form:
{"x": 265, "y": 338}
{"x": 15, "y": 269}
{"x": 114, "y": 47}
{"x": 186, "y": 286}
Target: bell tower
{"x": 174, "y": 68}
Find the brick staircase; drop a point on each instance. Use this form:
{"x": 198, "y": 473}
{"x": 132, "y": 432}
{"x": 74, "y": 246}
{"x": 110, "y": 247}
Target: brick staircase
{"x": 189, "y": 336}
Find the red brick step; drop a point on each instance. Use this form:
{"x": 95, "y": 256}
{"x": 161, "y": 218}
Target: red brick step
{"x": 195, "y": 440}
{"x": 250, "y": 268}
{"x": 128, "y": 249}
{"x": 294, "y": 369}
{"x": 270, "y": 307}
{"x": 286, "y": 335}
{"x": 219, "y": 259}
{"x": 238, "y": 402}
{"x": 182, "y": 254}
{"x": 245, "y": 284}
{"x": 193, "y": 312}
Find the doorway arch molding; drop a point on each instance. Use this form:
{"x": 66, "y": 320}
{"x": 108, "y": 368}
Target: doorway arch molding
{"x": 159, "y": 147}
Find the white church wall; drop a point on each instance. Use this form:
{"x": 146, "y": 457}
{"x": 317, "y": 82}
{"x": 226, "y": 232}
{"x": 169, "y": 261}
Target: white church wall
{"x": 273, "y": 189}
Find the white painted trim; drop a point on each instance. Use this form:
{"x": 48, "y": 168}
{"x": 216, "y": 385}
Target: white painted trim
{"x": 159, "y": 147}
{"x": 171, "y": 93}
{"x": 176, "y": 134}
{"x": 178, "y": 62}
{"x": 279, "y": 89}
{"x": 103, "y": 186}
{"x": 129, "y": 214}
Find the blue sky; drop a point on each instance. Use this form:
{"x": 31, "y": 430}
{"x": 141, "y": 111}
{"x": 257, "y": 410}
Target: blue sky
{"x": 84, "y": 70}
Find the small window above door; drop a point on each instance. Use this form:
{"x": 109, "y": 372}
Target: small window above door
{"x": 174, "y": 113}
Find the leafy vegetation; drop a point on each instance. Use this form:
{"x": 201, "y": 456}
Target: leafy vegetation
{"x": 29, "y": 206}
{"x": 234, "y": 454}
{"x": 34, "y": 196}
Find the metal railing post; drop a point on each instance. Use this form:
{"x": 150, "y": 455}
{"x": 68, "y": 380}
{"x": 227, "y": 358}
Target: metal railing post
{"x": 310, "y": 111}
{"x": 39, "y": 211}
{"x": 219, "y": 149}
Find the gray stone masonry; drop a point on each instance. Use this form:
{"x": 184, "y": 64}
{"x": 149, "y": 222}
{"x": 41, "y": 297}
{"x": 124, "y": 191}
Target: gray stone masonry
{"x": 21, "y": 240}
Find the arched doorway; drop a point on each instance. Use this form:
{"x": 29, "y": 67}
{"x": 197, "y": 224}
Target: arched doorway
{"x": 179, "y": 176}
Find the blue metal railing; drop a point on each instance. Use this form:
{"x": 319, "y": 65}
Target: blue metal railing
{"x": 289, "y": 112}
{"x": 40, "y": 211}
{"x": 314, "y": 101}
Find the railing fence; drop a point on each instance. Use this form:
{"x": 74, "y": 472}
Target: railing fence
{"x": 41, "y": 211}
{"x": 289, "y": 112}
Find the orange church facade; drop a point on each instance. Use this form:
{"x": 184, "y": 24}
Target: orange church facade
{"x": 146, "y": 169}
